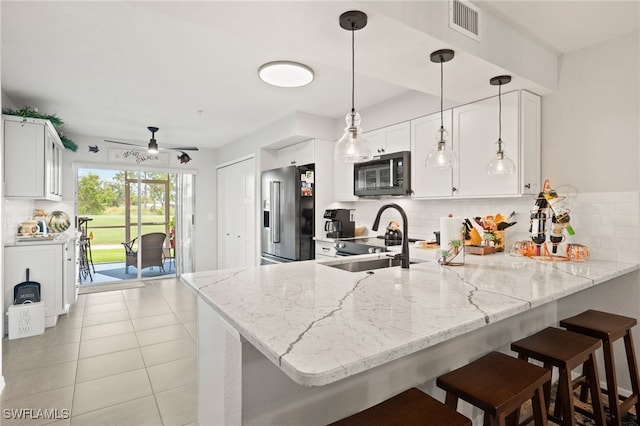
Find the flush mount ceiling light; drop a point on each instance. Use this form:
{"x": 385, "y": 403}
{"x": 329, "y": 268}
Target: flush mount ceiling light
{"x": 352, "y": 146}
{"x": 500, "y": 164}
{"x": 441, "y": 157}
{"x": 286, "y": 74}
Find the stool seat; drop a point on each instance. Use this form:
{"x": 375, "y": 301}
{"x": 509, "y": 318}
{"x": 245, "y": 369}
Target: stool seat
{"x": 410, "y": 408}
{"x": 608, "y": 328}
{"x": 565, "y": 350}
{"x": 497, "y": 384}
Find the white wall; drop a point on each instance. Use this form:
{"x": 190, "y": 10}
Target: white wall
{"x": 590, "y": 127}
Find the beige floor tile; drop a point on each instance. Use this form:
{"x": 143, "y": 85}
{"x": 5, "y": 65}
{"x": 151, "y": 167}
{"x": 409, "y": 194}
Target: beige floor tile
{"x": 108, "y": 391}
{"x": 57, "y": 399}
{"x": 148, "y": 310}
{"x": 23, "y": 382}
{"x": 155, "y": 321}
{"x": 105, "y": 345}
{"x": 187, "y": 315}
{"x": 110, "y": 364}
{"x": 70, "y": 321}
{"x": 58, "y": 335}
{"x": 105, "y": 307}
{"x": 178, "y": 406}
{"x": 172, "y": 374}
{"x": 168, "y": 351}
{"x": 41, "y": 357}
{"x": 192, "y": 328}
{"x": 106, "y": 317}
{"x": 161, "y": 334}
{"x": 139, "y": 412}
{"x": 104, "y": 330}
{"x": 103, "y": 297}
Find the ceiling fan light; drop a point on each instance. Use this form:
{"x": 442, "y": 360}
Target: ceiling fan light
{"x": 153, "y": 147}
{"x": 286, "y": 74}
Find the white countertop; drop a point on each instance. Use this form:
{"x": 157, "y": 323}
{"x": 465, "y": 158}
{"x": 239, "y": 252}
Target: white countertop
{"x": 320, "y": 324}
{"x": 39, "y": 240}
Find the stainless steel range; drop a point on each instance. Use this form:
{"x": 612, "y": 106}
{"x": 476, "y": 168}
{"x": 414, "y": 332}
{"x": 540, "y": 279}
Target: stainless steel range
{"x": 350, "y": 248}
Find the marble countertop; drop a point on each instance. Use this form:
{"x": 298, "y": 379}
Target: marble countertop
{"x": 320, "y": 324}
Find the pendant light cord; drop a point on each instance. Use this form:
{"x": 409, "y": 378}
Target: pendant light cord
{"x": 500, "y": 115}
{"x": 441, "y": 95}
{"x": 353, "y": 66}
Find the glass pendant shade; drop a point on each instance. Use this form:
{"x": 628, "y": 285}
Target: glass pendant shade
{"x": 352, "y": 147}
{"x": 501, "y": 164}
{"x": 441, "y": 156}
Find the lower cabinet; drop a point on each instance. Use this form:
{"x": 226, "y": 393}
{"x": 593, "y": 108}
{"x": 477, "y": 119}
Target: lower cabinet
{"x": 47, "y": 264}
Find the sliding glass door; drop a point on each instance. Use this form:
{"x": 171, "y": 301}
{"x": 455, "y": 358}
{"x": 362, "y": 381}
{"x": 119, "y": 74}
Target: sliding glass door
{"x": 133, "y": 223}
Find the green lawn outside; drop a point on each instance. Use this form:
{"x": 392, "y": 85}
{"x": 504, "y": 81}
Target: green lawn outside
{"x": 104, "y": 239}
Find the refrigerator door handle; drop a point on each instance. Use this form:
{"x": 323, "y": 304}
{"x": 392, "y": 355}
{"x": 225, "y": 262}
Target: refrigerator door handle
{"x": 275, "y": 211}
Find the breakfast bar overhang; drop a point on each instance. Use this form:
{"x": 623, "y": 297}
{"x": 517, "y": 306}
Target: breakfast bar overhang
{"x": 305, "y": 343}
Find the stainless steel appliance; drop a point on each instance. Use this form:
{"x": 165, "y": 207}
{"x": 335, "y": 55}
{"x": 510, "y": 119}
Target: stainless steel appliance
{"x": 350, "y": 248}
{"x": 340, "y": 223}
{"x": 287, "y": 214}
{"x": 388, "y": 175}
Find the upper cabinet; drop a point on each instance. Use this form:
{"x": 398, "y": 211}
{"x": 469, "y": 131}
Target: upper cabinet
{"x": 390, "y": 139}
{"x": 429, "y": 182}
{"x": 475, "y": 133}
{"x": 297, "y": 155}
{"x": 33, "y": 155}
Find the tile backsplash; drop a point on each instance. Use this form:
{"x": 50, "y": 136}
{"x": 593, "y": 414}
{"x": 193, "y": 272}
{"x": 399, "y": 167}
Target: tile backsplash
{"x": 16, "y": 211}
{"x": 608, "y": 222}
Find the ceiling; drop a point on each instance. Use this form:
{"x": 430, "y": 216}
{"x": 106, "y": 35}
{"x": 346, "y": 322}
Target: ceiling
{"x": 110, "y": 69}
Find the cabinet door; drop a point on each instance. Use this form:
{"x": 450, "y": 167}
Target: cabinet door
{"x": 24, "y": 159}
{"x": 475, "y": 133}
{"x": 390, "y": 139}
{"x": 299, "y": 154}
{"x": 429, "y": 182}
{"x": 530, "y": 143}
{"x": 343, "y": 182}
{"x": 45, "y": 264}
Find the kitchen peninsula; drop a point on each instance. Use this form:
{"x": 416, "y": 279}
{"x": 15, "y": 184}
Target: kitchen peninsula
{"x": 307, "y": 343}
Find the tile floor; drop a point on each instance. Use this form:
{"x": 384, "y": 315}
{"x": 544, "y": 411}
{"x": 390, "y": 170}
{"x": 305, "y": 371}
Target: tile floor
{"x": 124, "y": 357}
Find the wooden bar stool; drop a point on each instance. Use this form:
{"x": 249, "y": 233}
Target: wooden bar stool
{"x": 410, "y": 408}
{"x": 566, "y": 351}
{"x": 498, "y": 384}
{"x": 609, "y": 328}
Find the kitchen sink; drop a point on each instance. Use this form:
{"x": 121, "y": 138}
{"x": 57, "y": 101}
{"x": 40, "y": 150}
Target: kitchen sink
{"x": 367, "y": 265}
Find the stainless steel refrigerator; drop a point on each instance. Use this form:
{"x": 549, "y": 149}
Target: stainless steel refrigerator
{"x": 288, "y": 214}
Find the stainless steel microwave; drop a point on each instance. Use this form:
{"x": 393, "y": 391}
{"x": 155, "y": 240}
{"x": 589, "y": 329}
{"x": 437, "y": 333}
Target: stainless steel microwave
{"x": 388, "y": 175}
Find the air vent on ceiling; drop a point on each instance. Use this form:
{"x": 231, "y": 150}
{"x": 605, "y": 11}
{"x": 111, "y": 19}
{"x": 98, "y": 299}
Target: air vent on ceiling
{"x": 464, "y": 17}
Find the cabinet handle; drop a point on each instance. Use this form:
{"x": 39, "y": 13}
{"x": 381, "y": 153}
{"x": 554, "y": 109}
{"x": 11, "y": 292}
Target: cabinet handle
{"x": 454, "y": 189}
{"x": 293, "y": 162}
{"x": 382, "y": 150}
{"x": 528, "y": 186}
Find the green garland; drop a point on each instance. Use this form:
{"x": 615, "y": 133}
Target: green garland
{"x": 28, "y": 112}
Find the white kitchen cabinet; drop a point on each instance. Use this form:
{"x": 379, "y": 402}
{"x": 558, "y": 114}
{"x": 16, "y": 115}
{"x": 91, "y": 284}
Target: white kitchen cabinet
{"x": 343, "y": 182}
{"x": 390, "y": 139}
{"x": 475, "y": 132}
{"x": 47, "y": 265}
{"x": 297, "y": 155}
{"x": 430, "y": 182}
{"x": 32, "y": 159}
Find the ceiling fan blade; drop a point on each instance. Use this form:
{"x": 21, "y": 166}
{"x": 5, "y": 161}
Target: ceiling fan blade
{"x": 123, "y": 143}
{"x": 182, "y": 148}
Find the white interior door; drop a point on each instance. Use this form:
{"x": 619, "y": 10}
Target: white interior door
{"x": 236, "y": 215}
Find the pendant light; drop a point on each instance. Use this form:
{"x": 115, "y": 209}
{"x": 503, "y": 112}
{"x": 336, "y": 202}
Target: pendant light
{"x": 500, "y": 164}
{"x": 352, "y": 146}
{"x": 153, "y": 145}
{"x": 441, "y": 157}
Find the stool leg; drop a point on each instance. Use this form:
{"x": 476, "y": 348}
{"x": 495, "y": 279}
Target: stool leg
{"x": 594, "y": 387}
{"x": 451, "y": 400}
{"x": 612, "y": 381}
{"x": 564, "y": 392}
{"x": 539, "y": 407}
{"x": 633, "y": 369}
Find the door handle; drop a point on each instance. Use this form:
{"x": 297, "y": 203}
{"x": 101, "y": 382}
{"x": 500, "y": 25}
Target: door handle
{"x": 275, "y": 211}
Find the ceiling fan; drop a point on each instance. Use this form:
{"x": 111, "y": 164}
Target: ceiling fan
{"x": 153, "y": 144}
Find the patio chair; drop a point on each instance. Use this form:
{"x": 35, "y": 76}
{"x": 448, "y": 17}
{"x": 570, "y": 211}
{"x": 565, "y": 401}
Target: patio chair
{"x": 151, "y": 254}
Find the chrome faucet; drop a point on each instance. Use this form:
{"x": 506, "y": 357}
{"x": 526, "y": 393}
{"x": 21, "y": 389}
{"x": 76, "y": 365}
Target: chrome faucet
{"x": 404, "y": 257}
